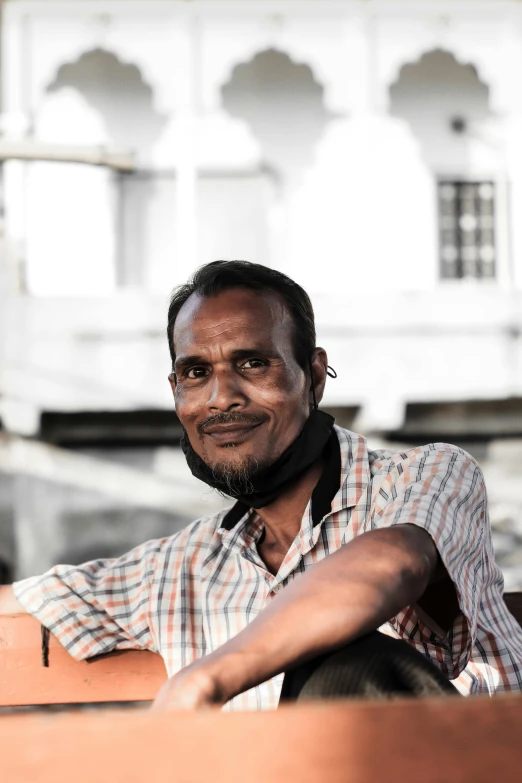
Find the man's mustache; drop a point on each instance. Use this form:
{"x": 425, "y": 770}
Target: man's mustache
{"x": 234, "y": 417}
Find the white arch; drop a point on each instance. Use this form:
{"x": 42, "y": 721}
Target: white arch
{"x": 154, "y": 52}
{"x": 460, "y": 59}
{"x": 124, "y": 63}
{"x": 494, "y": 65}
{"x": 227, "y": 72}
{"x": 328, "y": 51}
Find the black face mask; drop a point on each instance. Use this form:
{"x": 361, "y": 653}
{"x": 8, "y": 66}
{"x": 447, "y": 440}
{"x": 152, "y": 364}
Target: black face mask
{"x": 270, "y": 483}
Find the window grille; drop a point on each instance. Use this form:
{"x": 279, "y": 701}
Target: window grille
{"x": 467, "y": 230}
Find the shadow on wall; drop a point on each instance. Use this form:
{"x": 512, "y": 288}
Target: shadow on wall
{"x": 445, "y": 104}
{"x": 282, "y": 102}
{"x": 118, "y": 92}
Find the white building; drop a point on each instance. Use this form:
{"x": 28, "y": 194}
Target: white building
{"x": 372, "y": 150}
{"x": 369, "y": 148}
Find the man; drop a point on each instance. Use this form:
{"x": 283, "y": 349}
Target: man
{"x": 327, "y": 541}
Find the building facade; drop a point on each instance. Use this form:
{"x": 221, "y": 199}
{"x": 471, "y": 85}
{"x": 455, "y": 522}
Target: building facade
{"x": 369, "y": 149}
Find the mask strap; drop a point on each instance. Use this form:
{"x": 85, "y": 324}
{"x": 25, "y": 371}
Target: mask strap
{"x": 312, "y": 382}
{"x": 331, "y": 374}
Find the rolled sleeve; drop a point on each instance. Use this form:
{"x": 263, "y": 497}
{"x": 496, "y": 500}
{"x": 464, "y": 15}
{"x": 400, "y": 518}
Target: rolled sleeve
{"x": 441, "y": 490}
{"x": 97, "y": 607}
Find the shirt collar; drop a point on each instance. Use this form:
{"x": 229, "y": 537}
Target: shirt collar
{"x": 355, "y": 469}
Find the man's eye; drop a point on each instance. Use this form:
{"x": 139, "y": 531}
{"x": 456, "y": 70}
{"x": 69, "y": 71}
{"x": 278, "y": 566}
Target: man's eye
{"x": 253, "y": 364}
{"x": 196, "y": 372}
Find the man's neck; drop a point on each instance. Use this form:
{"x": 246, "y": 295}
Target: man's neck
{"x": 284, "y": 515}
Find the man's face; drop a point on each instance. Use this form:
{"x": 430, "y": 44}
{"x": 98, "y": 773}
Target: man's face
{"x": 239, "y": 392}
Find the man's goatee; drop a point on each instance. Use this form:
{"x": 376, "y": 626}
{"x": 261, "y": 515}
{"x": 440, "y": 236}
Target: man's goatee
{"x": 237, "y": 479}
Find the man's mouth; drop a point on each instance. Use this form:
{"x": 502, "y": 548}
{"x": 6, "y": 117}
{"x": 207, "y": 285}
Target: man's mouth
{"x": 230, "y": 434}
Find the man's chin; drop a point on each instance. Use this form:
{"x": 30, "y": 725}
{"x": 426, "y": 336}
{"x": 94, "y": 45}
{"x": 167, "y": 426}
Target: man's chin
{"x": 237, "y": 470}
{"x": 230, "y": 453}
{"x": 230, "y": 459}
{"x": 232, "y": 469}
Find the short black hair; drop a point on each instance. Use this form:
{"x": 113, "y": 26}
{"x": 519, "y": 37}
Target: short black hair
{"x": 218, "y": 276}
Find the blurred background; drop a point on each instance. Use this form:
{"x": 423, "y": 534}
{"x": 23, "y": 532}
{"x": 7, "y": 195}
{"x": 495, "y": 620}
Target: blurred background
{"x": 370, "y": 149}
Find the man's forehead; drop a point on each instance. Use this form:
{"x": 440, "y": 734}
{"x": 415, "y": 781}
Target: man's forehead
{"x": 209, "y": 317}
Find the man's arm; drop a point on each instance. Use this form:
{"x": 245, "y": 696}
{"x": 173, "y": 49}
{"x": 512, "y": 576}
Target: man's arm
{"x": 8, "y": 603}
{"x": 102, "y": 605}
{"x": 348, "y": 594}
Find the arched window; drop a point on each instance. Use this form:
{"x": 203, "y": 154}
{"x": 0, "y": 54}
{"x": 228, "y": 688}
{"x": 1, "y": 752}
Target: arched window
{"x": 282, "y": 102}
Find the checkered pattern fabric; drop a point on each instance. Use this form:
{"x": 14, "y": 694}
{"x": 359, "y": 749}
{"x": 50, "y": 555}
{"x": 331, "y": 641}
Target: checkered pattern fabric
{"x": 186, "y": 595}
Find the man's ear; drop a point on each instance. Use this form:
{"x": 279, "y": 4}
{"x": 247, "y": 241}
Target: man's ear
{"x": 318, "y": 366}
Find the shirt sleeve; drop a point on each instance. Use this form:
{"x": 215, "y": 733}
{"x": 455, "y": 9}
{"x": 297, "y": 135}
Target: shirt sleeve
{"x": 99, "y": 606}
{"x": 441, "y": 489}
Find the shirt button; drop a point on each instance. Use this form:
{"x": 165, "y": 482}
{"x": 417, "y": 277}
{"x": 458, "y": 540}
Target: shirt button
{"x": 277, "y": 589}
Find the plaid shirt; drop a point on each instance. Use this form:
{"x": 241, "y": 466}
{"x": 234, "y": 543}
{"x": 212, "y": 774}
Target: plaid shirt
{"x": 186, "y": 595}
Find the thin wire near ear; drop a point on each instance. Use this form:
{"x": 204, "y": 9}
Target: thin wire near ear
{"x": 331, "y": 372}
{"x": 312, "y": 382}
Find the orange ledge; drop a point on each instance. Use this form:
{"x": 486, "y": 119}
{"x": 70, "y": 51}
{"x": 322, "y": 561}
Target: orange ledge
{"x": 128, "y": 676}
{"x": 475, "y": 740}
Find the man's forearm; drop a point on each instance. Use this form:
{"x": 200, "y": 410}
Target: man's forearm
{"x": 8, "y": 603}
{"x": 350, "y": 593}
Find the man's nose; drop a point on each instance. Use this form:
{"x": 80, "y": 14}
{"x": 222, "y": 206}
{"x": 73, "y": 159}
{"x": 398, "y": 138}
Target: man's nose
{"x": 225, "y": 391}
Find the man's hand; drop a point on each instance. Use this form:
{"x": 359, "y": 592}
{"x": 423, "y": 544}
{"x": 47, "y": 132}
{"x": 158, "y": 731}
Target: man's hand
{"x": 194, "y": 688}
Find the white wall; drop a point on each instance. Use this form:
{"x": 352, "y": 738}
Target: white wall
{"x": 303, "y": 135}
{"x": 70, "y": 211}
